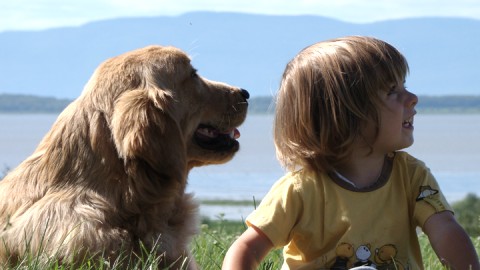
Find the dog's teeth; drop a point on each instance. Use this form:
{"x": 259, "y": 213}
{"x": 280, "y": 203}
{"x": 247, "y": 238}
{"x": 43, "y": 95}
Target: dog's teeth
{"x": 207, "y": 132}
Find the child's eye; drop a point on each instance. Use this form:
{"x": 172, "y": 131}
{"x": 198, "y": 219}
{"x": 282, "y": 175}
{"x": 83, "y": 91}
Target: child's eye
{"x": 392, "y": 90}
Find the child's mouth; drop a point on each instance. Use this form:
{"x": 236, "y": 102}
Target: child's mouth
{"x": 408, "y": 123}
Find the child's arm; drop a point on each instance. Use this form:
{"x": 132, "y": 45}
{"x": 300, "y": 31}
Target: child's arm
{"x": 247, "y": 251}
{"x": 451, "y": 242}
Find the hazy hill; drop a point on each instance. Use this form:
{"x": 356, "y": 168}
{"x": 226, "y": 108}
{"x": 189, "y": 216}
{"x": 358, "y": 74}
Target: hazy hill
{"x": 241, "y": 49}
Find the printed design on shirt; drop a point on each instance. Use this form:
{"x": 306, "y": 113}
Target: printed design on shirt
{"x": 344, "y": 252}
{"x": 384, "y": 257}
{"x": 363, "y": 254}
{"x": 425, "y": 192}
{"x": 428, "y": 194}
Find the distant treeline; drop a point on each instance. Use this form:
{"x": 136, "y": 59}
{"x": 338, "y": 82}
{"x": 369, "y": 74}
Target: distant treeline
{"x": 426, "y": 104}
{"x": 10, "y": 103}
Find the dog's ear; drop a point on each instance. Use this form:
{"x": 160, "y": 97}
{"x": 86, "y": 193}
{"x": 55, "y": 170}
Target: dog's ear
{"x": 146, "y": 134}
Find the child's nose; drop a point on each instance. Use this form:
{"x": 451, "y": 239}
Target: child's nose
{"x": 412, "y": 99}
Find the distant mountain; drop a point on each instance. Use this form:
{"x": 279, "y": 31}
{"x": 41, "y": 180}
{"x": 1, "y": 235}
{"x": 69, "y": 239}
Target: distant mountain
{"x": 246, "y": 50}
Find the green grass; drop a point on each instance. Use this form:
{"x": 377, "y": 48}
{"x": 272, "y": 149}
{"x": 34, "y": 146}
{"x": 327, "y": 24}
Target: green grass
{"x": 209, "y": 249}
{"x": 211, "y": 245}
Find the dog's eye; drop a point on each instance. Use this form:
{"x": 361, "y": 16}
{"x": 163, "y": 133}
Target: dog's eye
{"x": 194, "y": 73}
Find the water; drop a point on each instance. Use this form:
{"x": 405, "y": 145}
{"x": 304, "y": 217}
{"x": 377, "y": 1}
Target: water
{"x": 449, "y": 145}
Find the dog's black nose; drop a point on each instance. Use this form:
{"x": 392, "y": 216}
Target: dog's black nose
{"x": 245, "y": 94}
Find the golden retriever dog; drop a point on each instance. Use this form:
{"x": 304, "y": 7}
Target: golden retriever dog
{"x": 109, "y": 178}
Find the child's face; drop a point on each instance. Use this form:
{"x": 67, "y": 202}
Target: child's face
{"x": 396, "y": 119}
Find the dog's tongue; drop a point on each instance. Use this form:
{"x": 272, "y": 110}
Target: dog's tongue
{"x": 234, "y": 133}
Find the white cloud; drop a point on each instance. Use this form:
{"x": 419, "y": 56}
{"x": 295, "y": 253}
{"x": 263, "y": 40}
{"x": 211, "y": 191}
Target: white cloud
{"x": 38, "y": 14}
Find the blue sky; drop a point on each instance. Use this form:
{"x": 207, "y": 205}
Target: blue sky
{"x": 43, "y": 14}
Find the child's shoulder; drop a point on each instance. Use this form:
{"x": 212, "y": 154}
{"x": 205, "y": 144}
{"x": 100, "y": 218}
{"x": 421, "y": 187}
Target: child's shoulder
{"x": 405, "y": 157}
{"x": 300, "y": 179}
{"x": 404, "y": 161}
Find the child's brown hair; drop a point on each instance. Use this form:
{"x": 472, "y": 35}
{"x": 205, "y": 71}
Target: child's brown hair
{"x": 327, "y": 94}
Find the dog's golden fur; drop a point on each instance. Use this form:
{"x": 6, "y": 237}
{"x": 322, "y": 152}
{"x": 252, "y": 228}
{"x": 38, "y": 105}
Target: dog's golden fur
{"x": 112, "y": 171}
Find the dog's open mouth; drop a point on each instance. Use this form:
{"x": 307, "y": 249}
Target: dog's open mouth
{"x": 211, "y": 138}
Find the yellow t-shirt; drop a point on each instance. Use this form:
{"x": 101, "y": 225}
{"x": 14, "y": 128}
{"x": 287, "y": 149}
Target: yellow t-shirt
{"x": 325, "y": 223}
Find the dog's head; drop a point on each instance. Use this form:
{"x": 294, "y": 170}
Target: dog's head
{"x": 160, "y": 111}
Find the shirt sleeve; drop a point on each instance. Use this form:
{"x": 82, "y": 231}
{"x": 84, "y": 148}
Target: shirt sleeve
{"x": 428, "y": 196}
{"x": 278, "y": 212}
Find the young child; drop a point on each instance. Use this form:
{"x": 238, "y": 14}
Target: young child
{"x": 350, "y": 198}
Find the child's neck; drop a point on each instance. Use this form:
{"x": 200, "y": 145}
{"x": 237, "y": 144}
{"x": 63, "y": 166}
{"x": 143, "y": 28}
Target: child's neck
{"x": 361, "y": 169}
